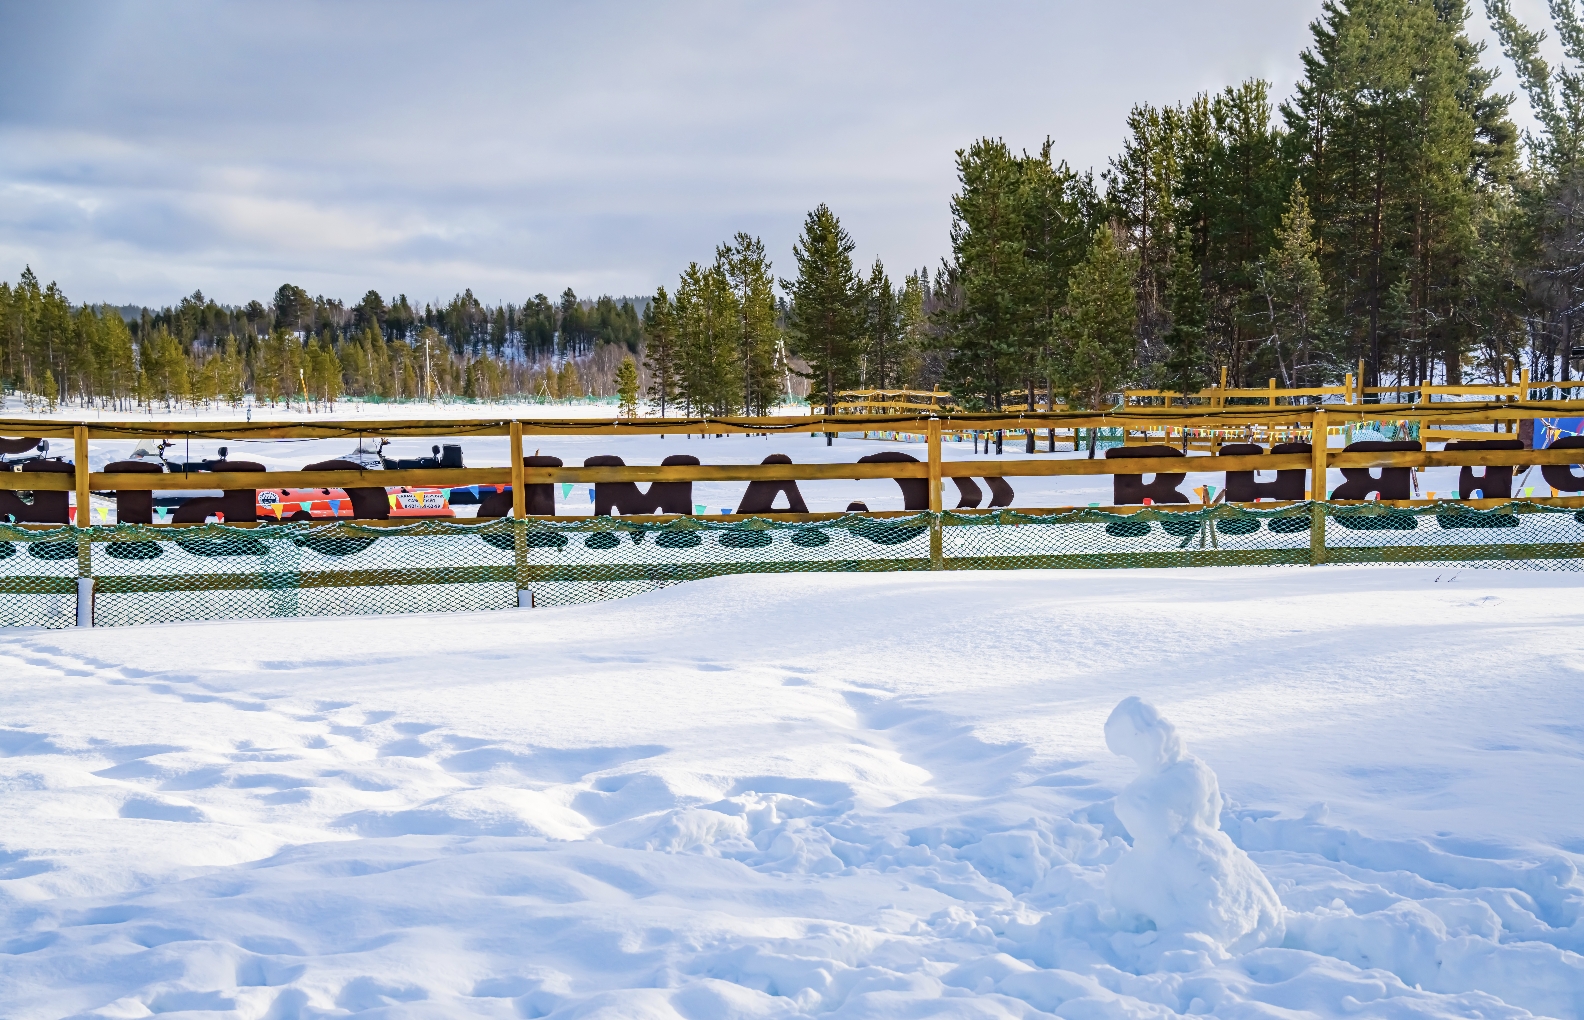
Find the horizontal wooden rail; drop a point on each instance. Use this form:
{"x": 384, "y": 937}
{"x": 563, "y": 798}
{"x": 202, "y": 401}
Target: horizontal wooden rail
{"x": 37, "y": 481}
{"x": 914, "y": 421}
{"x": 1130, "y": 466}
{"x": 1474, "y": 389}
{"x": 450, "y": 478}
{"x": 457, "y": 478}
{"x": 1455, "y": 458}
{"x": 100, "y": 534}
{"x": 726, "y": 472}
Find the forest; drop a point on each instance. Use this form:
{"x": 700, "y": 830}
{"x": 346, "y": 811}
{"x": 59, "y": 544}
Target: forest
{"x": 1387, "y": 212}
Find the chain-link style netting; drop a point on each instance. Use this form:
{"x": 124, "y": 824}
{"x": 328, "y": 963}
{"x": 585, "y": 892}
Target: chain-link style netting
{"x": 147, "y": 575}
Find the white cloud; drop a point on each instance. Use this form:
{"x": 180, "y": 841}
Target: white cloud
{"x": 148, "y": 149}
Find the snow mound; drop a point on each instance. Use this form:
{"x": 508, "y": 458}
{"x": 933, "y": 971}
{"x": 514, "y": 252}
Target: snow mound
{"x": 1183, "y": 874}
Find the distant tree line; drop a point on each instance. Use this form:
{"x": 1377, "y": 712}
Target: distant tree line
{"x": 300, "y": 348}
{"x": 1388, "y": 213}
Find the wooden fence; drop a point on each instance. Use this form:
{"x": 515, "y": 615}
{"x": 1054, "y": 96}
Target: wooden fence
{"x": 930, "y": 427}
{"x": 932, "y": 470}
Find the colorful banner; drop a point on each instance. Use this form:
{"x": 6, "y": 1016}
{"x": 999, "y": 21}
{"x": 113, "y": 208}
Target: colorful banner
{"x": 1549, "y": 430}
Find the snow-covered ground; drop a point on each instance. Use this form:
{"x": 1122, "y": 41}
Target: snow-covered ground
{"x": 847, "y": 795}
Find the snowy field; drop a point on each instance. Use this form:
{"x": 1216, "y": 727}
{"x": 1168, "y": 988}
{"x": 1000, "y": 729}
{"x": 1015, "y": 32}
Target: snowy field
{"x": 795, "y": 795}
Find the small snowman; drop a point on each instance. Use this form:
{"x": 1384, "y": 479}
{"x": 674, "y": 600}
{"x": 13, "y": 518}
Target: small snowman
{"x": 1182, "y": 873}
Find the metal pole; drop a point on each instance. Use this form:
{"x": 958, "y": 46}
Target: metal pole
{"x": 519, "y": 515}
{"x": 933, "y": 437}
{"x": 1318, "y": 436}
{"x": 85, "y": 584}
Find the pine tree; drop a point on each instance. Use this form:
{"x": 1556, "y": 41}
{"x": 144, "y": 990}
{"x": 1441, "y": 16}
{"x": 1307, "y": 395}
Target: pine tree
{"x": 914, "y": 337}
{"x": 660, "y": 351}
{"x": 1019, "y": 226}
{"x": 1295, "y": 293}
{"x": 1094, "y": 333}
{"x": 883, "y": 348}
{"x": 1142, "y": 185}
{"x": 569, "y": 386}
{"x": 627, "y": 387}
{"x": 1061, "y": 210}
{"x": 758, "y": 340}
{"x": 991, "y": 330}
{"x": 1550, "y": 219}
{"x": 1185, "y": 364}
{"x": 1401, "y": 134}
{"x": 233, "y": 380}
{"x": 708, "y": 379}
{"x": 825, "y": 321}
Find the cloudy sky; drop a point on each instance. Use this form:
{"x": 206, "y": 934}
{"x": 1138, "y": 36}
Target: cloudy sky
{"x": 148, "y": 149}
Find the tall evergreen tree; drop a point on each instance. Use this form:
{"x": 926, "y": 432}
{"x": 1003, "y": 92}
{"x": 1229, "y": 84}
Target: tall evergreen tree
{"x": 1549, "y": 214}
{"x": 1061, "y": 210}
{"x": 825, "y": 320}
{"x": 992, "y": 332}
{"x": 1294, "y": 293}
{"x": 706, "y": 328}
{"x": 883, "y": 330}
{"x": 660, "y": 351}
{"x": 1400, "y": 133}
{"x": 1094, "y": 334}
{"x": 758, "y": 340}
{"x": 1184, "y": 368}
{"x": 1142, "y": 184}
{"x": 627, "y": 387}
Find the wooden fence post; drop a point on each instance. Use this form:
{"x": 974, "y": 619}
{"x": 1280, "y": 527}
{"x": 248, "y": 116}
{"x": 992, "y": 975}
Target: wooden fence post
{"x": 1319, "y": 437}
{"x": 519, "y": 515}
{"x": 84, "y": 521}
{"x": 933, "y": 437}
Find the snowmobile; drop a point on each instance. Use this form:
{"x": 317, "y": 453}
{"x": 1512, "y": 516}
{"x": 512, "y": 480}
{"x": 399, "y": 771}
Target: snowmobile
{"x": 449, "y": 456}
{"x": 422, "y": 500}
{"x": 39, "y": 453}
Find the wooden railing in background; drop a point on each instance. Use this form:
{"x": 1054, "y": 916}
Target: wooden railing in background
{"x": 930, "y": 427}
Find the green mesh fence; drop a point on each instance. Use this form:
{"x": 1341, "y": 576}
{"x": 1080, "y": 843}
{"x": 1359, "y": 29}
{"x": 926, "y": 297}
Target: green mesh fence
{"x": 150, "y": 575}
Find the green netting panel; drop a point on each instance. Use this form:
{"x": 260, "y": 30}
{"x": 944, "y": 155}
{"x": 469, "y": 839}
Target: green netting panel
{"x": 1220, "y": 536}
{"x": 38, "y": 577}
{"x": 576, "y": 562}
{"x": 1519, "y": 534}
{"x": 148, "y": 575}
